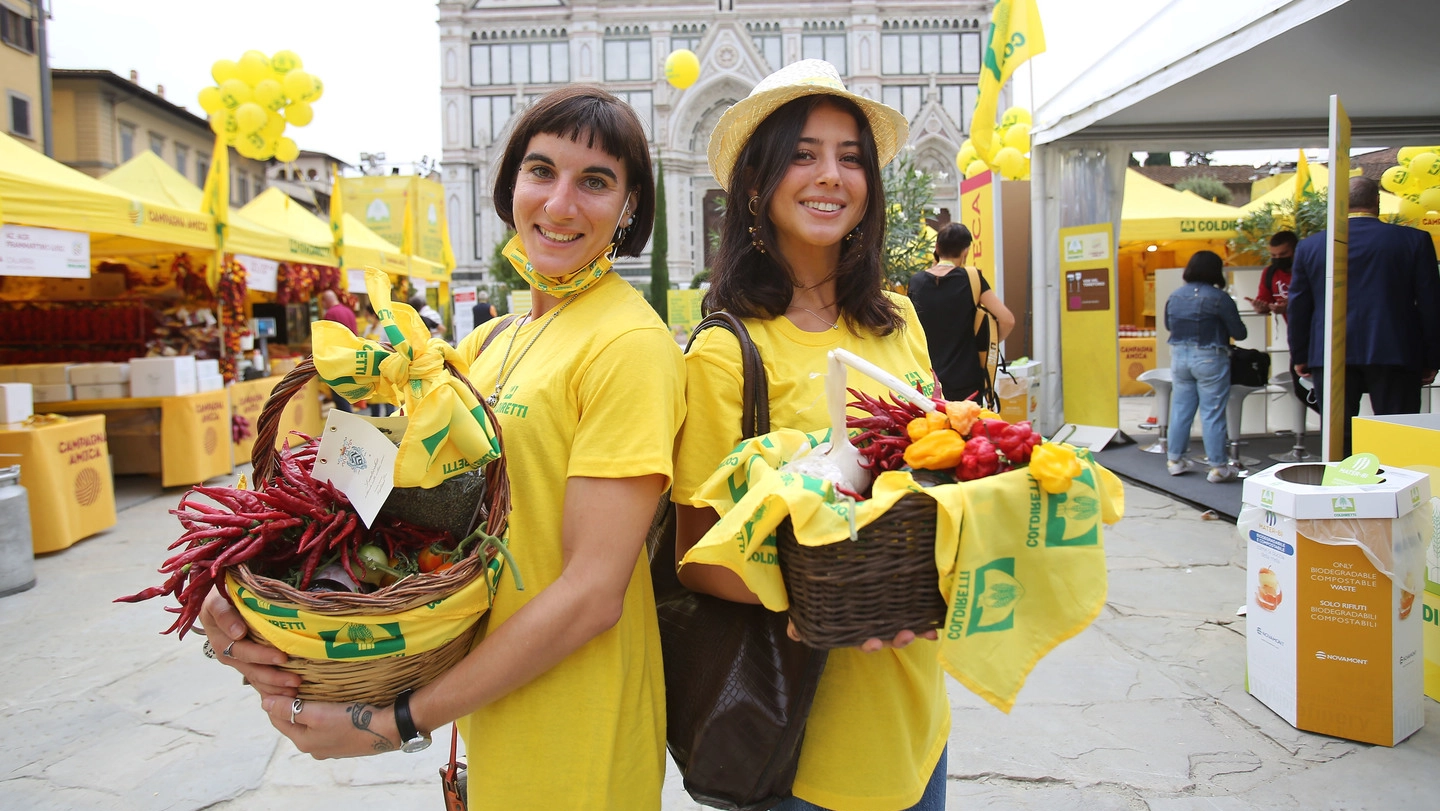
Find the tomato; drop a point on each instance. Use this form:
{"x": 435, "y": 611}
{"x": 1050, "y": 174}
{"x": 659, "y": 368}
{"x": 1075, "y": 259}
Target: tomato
{"x": 432, "y": 561}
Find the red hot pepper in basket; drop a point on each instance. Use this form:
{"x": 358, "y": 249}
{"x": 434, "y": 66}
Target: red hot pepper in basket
{"x": 1015, "y": 441}
{"x": 978, "y": 461}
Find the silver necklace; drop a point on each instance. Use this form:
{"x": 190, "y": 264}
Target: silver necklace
{"x": 501, "y": 376}
{"x": 827, "y": 322}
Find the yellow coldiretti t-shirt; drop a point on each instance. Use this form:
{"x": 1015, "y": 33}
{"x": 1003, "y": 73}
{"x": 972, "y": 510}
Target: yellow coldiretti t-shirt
{"x": 598, "y": 395}
{"x": 880, "y": 720}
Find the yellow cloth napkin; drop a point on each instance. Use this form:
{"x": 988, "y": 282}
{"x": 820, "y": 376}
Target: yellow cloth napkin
{"x": 1021, "y": 570}
{"x": 449, "y": 431}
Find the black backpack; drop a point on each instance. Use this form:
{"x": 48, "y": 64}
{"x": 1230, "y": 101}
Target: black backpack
{"x": 1249, "y": 367}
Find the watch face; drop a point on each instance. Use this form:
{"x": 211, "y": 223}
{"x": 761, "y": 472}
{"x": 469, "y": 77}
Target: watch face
{"x": 415, "y": 744}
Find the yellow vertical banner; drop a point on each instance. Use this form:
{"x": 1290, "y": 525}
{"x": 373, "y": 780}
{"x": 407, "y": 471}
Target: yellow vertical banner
{"x": 977, "y": 213}
{"x": 684, "y": 309}
{"x": 1089, "y": 332}
{"x": 379, "y": 203}
{"x": 429, "y": 201}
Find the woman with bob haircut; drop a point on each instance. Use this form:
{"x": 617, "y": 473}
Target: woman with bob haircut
{"x": 587, "y": 386}
{"x": 1202, "y": 319}
{"x": 800, "y": 263}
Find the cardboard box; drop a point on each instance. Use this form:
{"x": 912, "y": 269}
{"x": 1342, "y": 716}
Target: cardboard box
{"x": 107, "y": 285}
{"x": 7, "y": 374}
{"x": 96, "y": 374}
{"x": 210, "y": 383}
{"x": 1413, "y": 441}
{"x": 17, "y": 401}
{"x": 102, "y": 391}
{"x": 53, "y": 393}
{"x": 163, "y": 376}
{"x": 1020, "y": 398}
{"x": 65, "y": 289}
{"x": 43, "y": 374}
{"x": 1333, "y": 635}
{"x": 207, "y": 367}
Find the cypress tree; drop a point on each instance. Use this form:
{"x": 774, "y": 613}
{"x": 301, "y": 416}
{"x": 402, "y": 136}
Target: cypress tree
{"x": 659, "y": 247}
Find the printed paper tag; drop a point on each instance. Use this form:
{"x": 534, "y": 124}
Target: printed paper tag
{"x": 359, "y": 459}
{"x": 1360, "y": 469}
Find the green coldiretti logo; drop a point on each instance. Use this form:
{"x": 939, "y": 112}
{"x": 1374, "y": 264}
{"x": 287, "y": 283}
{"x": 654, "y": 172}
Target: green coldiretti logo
{"x": 1267, "y": 498}
{"x": 997, "y": 593}
{"x": 263, "y": 608}
{"x": 360, "y": 641}
{"x": 1071, "y": 518}
{"x": 1342, "y": 505}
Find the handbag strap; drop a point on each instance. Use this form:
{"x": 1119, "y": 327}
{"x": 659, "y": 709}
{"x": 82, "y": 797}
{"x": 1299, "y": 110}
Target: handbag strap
{"x": 454, "y": 765}
{"x": 990, "y": 355}
{"x": 755, "y": 393}
{"x": 499, "y": 328}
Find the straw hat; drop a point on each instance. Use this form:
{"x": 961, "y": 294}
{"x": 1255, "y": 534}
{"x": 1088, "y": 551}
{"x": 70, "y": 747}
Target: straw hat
{"x": 808, "y": 77}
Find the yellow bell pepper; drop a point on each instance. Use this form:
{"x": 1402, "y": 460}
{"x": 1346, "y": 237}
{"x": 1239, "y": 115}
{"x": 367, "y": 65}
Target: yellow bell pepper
{"x": 920, "y": 426}
{"x": 1054, "y": 467}
{"x": 937, "y": 450}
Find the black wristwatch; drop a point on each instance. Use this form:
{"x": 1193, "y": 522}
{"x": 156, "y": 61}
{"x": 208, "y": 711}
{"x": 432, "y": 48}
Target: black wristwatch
{"x": 410, "y": 738}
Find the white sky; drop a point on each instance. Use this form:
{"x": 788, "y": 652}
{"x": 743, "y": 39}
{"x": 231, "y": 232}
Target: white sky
{"x": 380, "y": 59}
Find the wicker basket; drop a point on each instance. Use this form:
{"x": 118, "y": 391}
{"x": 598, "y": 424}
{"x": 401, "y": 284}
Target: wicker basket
{"x": 372, "y": 680}
{"x": 885, "y": 582}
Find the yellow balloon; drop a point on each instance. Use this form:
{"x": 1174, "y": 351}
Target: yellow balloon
{"x": 286, "y": 150}
{"x": 965, "y": 155}
{"x": 682, "y": 68}
{"x": 1015, "y": 115}
{"x": 210, "y": 100}
{"x": 1018, "y": 137}
{"x": 299, "y": 113}
{"x": 299, "y": 85}
{"x": 285, "y": 61}
{"x": 1395, "y": 179}
{"x": 318, "y": 91}
{"x": 270, "y": 95}
{"x": 1411, "y": 210}
{"x": 223, "y": 70}
{"x": 254, "y": 67}
{"x": 1425, "y": 169}
{"x": 1430, "y": 199}
{"x": 249, "y": 117}
{"x": 976, "y": 167}
{"x": 234, "y": 93}
{"x": 1408, "y": 152}
{"x": 1010, "y": 163}
{"x": 219, "y": 122}
{"x": 248, "y": 146}
{"x": 274, "y": 125}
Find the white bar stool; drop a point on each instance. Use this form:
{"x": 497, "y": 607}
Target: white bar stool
{"x": 1234, "y": 410}
{"x": 1297, "y": 453}
{"x": 1161, "y": 381}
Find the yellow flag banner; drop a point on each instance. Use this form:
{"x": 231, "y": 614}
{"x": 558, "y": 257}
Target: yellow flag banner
{"x": 337, "y": 219}
{"x": 449, "y": 431}
{"x": 358, "y": 638}
{"x": 1021, "y": 569}
{"x": 1303, "y": 184}
{"x": 215, "y": 201}
{"x": 1015, "y": 36}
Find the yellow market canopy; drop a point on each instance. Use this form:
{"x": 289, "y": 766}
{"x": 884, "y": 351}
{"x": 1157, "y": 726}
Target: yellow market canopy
{"x": 365, "y": 247}
{"x": 36, "y": 190}
{"x": 1154, "y": 212}
{"x": 275, "y": 210}
{"x": 147, "y": 174}
{"x": 1320, "y": 181}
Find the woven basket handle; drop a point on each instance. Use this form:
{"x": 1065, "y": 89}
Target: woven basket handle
{"x": 263, "y": 457}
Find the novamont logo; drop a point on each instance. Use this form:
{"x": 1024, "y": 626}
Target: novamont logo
{"x": 1332, "y": 657}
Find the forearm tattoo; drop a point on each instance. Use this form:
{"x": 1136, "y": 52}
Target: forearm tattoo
{"x": 360, "y": 715}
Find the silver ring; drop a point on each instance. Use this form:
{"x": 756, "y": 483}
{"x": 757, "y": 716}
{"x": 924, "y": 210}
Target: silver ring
{"x": 228, "y": 648}
{"x": 208, "y": 651}
{"x": 295, "y": 707}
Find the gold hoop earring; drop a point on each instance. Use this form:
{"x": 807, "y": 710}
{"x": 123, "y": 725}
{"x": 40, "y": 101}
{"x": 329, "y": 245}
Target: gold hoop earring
{"x": 754, "y": 206}
{"x": 755, "y": 241}
{"x": 854, "y": 238}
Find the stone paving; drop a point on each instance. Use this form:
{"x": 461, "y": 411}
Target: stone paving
{"x": 1144, "y": 710}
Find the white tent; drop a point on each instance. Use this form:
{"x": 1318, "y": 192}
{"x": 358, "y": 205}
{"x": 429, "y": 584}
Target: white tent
{"x": 1221, "y": 74}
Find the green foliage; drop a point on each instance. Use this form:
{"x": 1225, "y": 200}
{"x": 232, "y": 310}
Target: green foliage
{"x": 700, "y": 278}
{"x": 500, "y": 268}
{"x": 659, "y": 248}
{"x": 1251, "y": 245}
{"x": 909, "y": 195}
{"x": 1208, "y": 187}
{"x": 1157, "y": 159}
{"x": 1199, "y": 158}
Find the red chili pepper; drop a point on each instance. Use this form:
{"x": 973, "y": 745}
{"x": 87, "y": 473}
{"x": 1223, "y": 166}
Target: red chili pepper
{"x": 978, "y": 461}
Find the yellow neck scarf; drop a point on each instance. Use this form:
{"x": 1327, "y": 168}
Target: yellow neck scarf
{"x": 577, "y": 281}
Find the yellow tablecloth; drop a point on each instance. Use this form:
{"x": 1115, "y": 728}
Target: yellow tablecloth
{"x": 65, "y": 467}
{"x": 302, "y": 413}
{"x": 194, "y": 432}
{"x": 1137, "y": 355}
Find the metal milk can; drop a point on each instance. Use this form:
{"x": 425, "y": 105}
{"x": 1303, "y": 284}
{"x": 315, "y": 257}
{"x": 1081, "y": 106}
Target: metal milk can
{"x": 17, "y": 553}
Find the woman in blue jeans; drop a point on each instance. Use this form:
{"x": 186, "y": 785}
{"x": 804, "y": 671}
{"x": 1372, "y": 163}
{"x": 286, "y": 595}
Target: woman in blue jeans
{"x": 1202, "y": 318}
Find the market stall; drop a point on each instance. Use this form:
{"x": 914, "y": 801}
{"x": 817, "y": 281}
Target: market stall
{"x": 190, "y": 446}
{"x": 65, "y": 466}
{"x": 248, "y": 398}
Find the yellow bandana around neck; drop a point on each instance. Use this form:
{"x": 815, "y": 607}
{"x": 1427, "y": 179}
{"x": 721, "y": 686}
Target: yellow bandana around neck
{"x": 577, "y": 281}
{"x": 449, "y": 431}
{"x": 1021, "y": 570}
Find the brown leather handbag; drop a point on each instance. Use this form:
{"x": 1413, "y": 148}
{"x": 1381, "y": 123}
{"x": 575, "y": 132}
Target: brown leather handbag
{"x": 738, "y": 690}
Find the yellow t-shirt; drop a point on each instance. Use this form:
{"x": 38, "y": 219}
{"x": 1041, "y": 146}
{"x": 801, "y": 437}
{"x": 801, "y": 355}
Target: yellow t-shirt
{"x": 880, "y": 720}
{"x": 599, "y": 394}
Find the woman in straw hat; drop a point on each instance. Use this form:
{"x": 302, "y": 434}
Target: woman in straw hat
{"x": 587, "y": 386}
{"x": 800, "y": 263}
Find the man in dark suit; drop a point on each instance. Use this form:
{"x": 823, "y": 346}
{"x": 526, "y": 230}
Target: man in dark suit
{"x": 1392, "y": 327}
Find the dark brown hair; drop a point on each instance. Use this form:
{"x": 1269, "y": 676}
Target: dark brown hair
{"x": 1283, "y": 238}
{"x": 1205, "y": 267}
{"x": 751, "y": 284}
{"x": 952, "y": 239}
{"x": 584, "y": 111}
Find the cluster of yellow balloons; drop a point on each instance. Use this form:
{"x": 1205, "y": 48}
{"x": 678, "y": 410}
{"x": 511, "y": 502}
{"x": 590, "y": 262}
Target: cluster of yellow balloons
{"x": 682, "y": 68}
{"x": 1416, "y": 180}
{"x": 256, "y": 97}
{"x": 1009, "y": 149}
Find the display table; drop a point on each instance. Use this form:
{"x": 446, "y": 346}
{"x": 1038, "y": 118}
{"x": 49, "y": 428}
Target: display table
{"x": 65, "y": 467}
{"x": 301, "y": 414}
{"x": 193, "y": 437}
{"x": 1137, "y": 356}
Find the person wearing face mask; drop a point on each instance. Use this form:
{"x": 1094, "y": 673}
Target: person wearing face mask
{"x": 1274, "y": 291}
